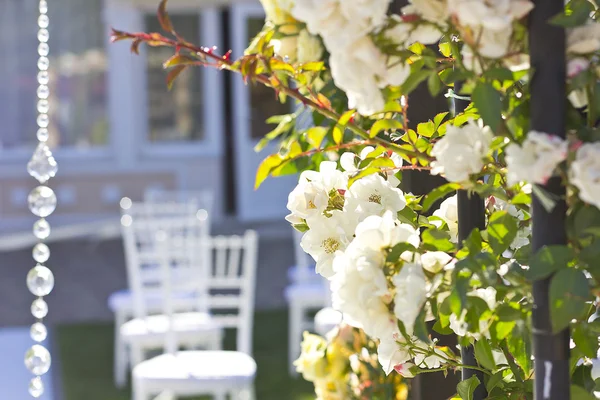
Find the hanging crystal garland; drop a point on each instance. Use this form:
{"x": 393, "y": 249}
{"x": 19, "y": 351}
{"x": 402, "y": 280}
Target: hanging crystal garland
{"x": 42, "y": 202}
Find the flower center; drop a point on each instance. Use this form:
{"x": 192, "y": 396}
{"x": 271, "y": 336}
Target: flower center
{"x": 375, "y": 198}
{"x": 330, "y": 245}
{"x": 311, "y": 205}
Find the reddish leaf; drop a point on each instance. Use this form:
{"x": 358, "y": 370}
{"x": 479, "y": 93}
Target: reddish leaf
{"x": 174, "y": 73}
{"x": 163, "y": 17}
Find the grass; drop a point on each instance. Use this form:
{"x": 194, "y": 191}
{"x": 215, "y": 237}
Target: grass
{"x": 86, "y": 361}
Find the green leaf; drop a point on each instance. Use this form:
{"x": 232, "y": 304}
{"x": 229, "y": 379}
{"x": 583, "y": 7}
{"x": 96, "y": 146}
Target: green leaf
{"x": 173, "y": 74}
{"x": 501, "y": 231}
{"x": 265, "y": 168}
{"x": 315, "y": 136}
{"x": 488, "y": 102}
{"x": 467, "y": 387}
{"x": 437, "y": 240}
{"x": 483, "y": 354}
{"x": 384, "y": 125}
{"x": 569, "y": 291}
{"x": 426, "y": 129}
{"x": 494, "y": 380}
{"x": 548, "y": 260}
{"x": 434, "y": 84}
{"x": 578, "y": 13}
{"x": 579, "y": 393}
{"x": 408, "y": 216}
{"x": 437, "y": 193}
{"x": 394, "y": 254}
{"x": 414, "y": 80}
{"x": 586, "y": 340}
{"x": 519, "y": 345}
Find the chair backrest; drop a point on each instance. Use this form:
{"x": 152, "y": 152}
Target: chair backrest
{"x": 305, "y": 265}
{"x": 203, "y": 199}
{"x": 139, "y": 225}
{"x": 232, "y": 263}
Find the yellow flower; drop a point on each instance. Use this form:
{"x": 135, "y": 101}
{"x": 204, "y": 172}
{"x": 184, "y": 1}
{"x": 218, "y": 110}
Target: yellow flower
{"x": 312, "y": 363}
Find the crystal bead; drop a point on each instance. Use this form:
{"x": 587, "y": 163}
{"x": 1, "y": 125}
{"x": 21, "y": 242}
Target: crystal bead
{"x": 43, "y": 77}
{"x": 43, "y": 120}
{"x": 41, "y": 252}
{"x": 43, "y": 63}
{"x": 42, "y": 165}
{"x": 39, "y": 308}
{"x": 43, "y": 91}
{"x": 43, "y": 106}
{"x": 42, "y": 200}
{"x": 43, "y": 6}
{"x": 40, "y": 280}
{"x": 38, "y": 332}
{"x": 43, "y": 49}
{"x": 37, "y": 360}
{"x": 43, "y": 35}
{"x": 36, "y": 387}
{"x": 42, "y": 134}
{"x": 43, "y": 21}
{"x": 41, "y": 229}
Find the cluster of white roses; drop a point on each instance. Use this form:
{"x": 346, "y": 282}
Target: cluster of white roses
{"x": 349, "y": 232}
{"x": 536, "y": 160}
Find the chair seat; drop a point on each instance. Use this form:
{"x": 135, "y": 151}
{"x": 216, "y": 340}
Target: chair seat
{"x": 158, "y": 325}
{"x": 297, "y": 274}
{"x": 327, "y": 319}
{"x": 231, "y": 367}
{"x": 122, "y": 300}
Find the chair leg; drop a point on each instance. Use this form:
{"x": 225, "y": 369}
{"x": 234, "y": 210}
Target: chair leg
{"x": 246, "y": 393}
{"x": 137, "y": 354}
{"x": 294, "y": 336}
{"x": 120, "y": 356}
{"x": 139, "y": 391}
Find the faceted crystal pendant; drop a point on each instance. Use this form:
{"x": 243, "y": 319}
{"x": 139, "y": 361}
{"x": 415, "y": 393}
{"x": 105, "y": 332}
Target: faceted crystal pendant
{"x": 43, "y": 21}
{"x": 40, "y": 280}
{"x": 38, "y": 332}
{"x": 42, "y": 200}
{"x": 43, "y": 49}
{"x": 37, "y": 360}
{"x": 39, "y": 308}
{"x": 43, "y": 35}
{"x": 43, "y": 6}
{"x": 43, "y": 77}
{"x": 41, "y": 253}
{"x": 42, "y": 134}
{"x": 36, "y": 387}
{"x": 42, "y": 165}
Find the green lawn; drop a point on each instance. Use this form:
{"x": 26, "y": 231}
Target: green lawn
{"x": 86, "y": 357}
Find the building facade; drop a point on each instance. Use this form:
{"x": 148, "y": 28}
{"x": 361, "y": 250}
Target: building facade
{"x": 115, "y": 128}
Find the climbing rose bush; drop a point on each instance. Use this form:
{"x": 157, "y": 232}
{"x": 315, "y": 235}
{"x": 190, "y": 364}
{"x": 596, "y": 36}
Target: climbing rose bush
{"x": 396, "y": 265}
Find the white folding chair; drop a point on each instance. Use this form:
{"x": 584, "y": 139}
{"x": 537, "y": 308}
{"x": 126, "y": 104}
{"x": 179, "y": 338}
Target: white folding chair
{"x": 139, "y": 221}
{"x": 204, "y": 199}
{"x": 307, "y": 292}
{"x": 232, "y": 262}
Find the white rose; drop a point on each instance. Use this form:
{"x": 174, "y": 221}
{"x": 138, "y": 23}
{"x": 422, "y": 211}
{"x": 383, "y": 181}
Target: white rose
{"x": 584, "y": 173}
{"x": 448, "y": 212}
{"x": 396, "y": 73}
{"x": 435, "y": 261}
{"x": 522, "y": 238}
{"x": 377, "y": 232}
{"x": 411, "y": 293}
{"x": 328, "y": 176}
{"x": 435, "y": 360}
{"x": 460, "y": 152}
{"x": 595, "y": 369}
{"x": 391, "y": 354}
{"x": 308, "y": 199}
{"x": 358, "y": 73}
{"x": 584, "y": 39}
{"x": 325, "y": 238}
{"x": 277, "y": 11}
{"x": 492, "y": 43}
{"x": 488, "y": 294}
{"x": 435, "y": 11}
{"x": 535, "y": 160}
{"x": 309, "y": 47}
{"x": 578, "y": 98}
{"x": 405, "y": 369}
{"x": 373, "y": 195}
{"x": 577, "y": 65}
{"x": 471, "y": 62}
{"x": 405, "y": 34}
{"x": 496, "y": 15}
{"x": 286, "y": 47}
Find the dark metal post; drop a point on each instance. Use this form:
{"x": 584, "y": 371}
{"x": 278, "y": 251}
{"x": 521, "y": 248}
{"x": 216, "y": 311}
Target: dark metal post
{"x": 471, "y": 215}
{"x": 548, "y": 98}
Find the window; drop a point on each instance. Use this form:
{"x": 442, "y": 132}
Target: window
{"x": 77, "y": 74}
{"x": 263, "y": 101}
{"x": 175, "y": 115}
